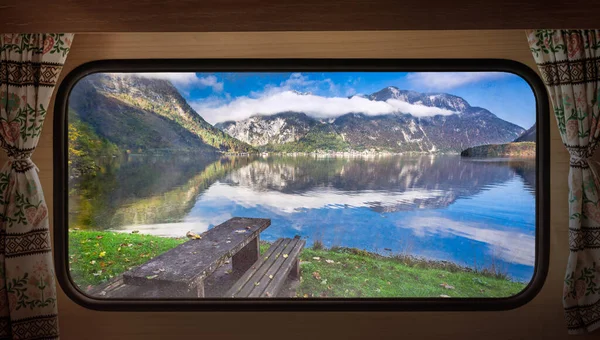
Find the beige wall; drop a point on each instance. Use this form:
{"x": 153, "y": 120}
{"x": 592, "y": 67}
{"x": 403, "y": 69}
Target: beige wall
{"x": 540, "y": 319}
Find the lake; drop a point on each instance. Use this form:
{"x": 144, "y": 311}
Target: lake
{"x": 476, "y": 213}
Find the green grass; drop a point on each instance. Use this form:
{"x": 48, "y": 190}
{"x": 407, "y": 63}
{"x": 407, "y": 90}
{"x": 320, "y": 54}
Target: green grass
{"x": 348, "y": 273}
{"x": 95, "y": 256}
{"x": 361, "y": 274}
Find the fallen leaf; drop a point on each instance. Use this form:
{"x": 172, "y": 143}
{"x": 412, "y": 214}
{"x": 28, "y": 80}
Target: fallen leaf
{"x": 330, "y": 261}
{"x": 240, "y": 231}
{"x": 227, "y": 241}
{"x": 316, "y": 275}
{"x": 271, "y": 277}
{"x": 324, "y": 282}
{"x": 285, "y": 256}
{"x": 266, "y": 257}
{"x": 227, "y": 261}
{"x": 151, "y": 277}
{"x": 305, "y": 295}
{"x": 158, "y": 270}
{"x": 256, "y": 283}
{"x": 119, "y": 249}
{"x": 444, "y": 296}
{"x": 102, "y": 254}
{"x": 97, "y": 273}
{"x": 99, "y": 237}
{"x": 92, "y": 262}
{"x": 316, "y": 258}
{"x": 447, "y": 286}
{"x": 192, "y": 236}
{"x": 268, "y": 294}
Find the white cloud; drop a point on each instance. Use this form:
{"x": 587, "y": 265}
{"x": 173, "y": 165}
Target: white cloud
{"x": 449, "y": 80}
{"x": 316, "y": 106}
{"x": 511, "y": 246}
{"x": 350, "y": 91}
{"x": 211, "y": 81}
{"x": 185, "y": 79}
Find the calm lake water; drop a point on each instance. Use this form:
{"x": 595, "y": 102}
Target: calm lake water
{"x": 470, "y": 212}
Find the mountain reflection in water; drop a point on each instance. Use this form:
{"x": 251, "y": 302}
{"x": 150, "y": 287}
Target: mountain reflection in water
{"x": 439, "y": 207}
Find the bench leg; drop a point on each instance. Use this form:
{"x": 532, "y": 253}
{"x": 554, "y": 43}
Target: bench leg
{"x": 199, "y": 291}
{"x": 247, "y": 256}
{"x": 295, "y": 272}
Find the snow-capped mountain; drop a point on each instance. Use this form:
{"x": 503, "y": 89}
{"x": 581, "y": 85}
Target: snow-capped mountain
{"x": 464, "y": 126}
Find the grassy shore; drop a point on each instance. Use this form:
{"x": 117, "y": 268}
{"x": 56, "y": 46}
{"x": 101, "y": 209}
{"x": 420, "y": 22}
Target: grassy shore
{"x": 95, "y": 257}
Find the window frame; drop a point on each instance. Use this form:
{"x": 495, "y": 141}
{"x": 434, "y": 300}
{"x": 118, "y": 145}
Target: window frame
{"x": 542, "y": 198}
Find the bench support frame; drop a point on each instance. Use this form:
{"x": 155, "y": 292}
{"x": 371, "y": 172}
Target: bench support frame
{"x": 246, "y": 257}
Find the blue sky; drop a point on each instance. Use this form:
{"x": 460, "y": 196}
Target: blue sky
{"x": 233, "y": 96}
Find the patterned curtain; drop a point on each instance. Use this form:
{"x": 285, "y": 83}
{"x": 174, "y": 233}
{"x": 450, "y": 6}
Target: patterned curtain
{"x": 29, "y": 68}
{"x": 569, "y": 61}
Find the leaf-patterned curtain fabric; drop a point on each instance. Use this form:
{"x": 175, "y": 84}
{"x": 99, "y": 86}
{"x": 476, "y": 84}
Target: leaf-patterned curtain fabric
{"x": 29, "y": 68}
{"x": 569, "y": 61}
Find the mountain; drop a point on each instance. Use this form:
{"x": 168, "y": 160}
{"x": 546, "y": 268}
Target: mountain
{"x": 280, "y": 128}
{"x": 396, "y": 132}
{"x": 439, "y": 100}
{"x": 527, "y": 136}
{"x": 141, "y": 113}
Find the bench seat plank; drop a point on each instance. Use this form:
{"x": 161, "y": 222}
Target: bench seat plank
{"x": 185, "y": 266}
{"x": 260, "y": 268}
{"x": 279, "y": 270}
{"x": 267, "y": 276}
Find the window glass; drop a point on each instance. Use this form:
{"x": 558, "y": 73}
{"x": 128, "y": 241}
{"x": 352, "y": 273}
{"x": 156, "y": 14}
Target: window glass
{"x": 301, "y": 185}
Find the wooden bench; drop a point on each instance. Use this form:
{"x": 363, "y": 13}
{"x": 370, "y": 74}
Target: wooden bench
{"x": 180, "y": 272}
{"x": 267, "y": 276}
